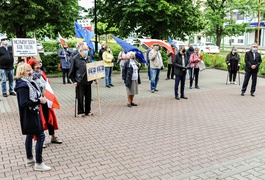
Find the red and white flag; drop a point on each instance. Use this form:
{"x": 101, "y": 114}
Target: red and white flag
{"x": 62, "y": 40}
{"x": 52, "y": 101}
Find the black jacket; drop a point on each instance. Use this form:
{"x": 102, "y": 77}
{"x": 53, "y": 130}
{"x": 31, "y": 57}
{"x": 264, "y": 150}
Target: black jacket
{"x": 100, "y": 53}
{"x": 179, "y": 70}
{"x": 28, "y": 110}
{"x": 249, "y": 60}
{"x": 127, "y": 72}
{"x": 189, "y": 52}
{"x": 6, "y": 58}
{"x": 77, "y": 72}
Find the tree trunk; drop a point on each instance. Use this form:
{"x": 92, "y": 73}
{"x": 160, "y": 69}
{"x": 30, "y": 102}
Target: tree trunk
{"x": 20, "y": 31}
{"x": 155, "y": 34}
{"x": 219, "y": 33}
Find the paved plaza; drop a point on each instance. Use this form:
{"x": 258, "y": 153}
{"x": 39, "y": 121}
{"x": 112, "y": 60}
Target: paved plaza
{"x": 215, "y": 134}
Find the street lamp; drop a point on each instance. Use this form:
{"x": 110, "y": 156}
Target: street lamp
{"x": 96, "y": 36}
{"x": 258, "y": 22}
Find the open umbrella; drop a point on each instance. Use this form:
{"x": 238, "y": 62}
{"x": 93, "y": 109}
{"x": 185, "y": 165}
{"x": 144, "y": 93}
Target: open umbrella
{"x": 151, "y": 42}
{"x": 128, "y": 47}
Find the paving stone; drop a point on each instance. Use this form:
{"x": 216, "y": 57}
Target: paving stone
{"x": 210, "y": 135}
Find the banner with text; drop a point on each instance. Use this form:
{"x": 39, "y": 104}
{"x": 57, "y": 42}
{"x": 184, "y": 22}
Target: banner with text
{"x": 24, "y": 47}
{"x": 95, "y": 70}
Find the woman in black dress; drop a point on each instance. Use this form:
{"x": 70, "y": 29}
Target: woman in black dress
{"x": 233, "y": 64}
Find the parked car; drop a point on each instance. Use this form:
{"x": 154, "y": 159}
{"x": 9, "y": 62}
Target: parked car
{"x": 40, "y": 47}
{"x": 208, "y": 47}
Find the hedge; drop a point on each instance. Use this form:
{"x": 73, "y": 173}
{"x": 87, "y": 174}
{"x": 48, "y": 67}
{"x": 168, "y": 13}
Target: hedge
{"x": 218, "y": 61}
{"x": 51, "y": 61}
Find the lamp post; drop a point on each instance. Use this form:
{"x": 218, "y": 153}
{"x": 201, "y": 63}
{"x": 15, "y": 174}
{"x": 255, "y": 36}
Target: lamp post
{"x": 257, "y": 41}
{"x": 96, "y": 36}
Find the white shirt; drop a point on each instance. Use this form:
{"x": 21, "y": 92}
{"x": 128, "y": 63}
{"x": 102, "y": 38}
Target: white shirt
{"x": 135, "y": 70}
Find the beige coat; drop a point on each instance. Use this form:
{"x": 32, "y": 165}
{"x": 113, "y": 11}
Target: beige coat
{"x": 156, "y": 60}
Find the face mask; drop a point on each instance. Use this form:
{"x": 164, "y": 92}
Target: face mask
{"x": 108, "y": 49}
{"x": 234, "y": 51}
{"x": 85, "y": 53}
{"x": 183, "y": 51}
{"x": 254, "y": 49}
{"x": 157, "y": 48}
{"x": 29, "y": 77}
{"x": 6, "y": 42}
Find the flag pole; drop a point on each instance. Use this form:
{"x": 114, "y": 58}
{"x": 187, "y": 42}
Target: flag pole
{"x": 99, "y": 103}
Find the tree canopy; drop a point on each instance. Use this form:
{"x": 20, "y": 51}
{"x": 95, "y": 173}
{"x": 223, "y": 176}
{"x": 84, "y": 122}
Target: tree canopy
{"x": 21, "y": 16}
{"x": 153, "y": 18}
{"x": 219, "y": 17}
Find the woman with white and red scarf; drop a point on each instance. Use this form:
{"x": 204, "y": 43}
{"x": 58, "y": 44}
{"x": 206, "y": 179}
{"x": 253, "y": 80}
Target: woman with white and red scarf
{"x": 48, "y": 117}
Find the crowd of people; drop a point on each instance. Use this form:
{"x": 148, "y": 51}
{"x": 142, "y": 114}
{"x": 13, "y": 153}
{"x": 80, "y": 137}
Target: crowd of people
{"x": 31, "y": 80}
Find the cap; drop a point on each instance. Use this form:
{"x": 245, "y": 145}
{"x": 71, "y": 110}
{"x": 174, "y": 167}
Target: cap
{"x": 3, "y": 39}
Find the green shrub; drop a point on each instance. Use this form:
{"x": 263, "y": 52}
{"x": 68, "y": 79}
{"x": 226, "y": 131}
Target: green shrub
{"x": 218, "y": 61}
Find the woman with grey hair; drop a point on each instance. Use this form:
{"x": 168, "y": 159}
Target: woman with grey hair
{"x": 131, "y": 77}
{"x": 194, "y": 65}
{"x": 233, "y": 64}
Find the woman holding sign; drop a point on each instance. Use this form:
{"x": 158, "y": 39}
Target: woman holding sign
{"x": 78, "y": 76}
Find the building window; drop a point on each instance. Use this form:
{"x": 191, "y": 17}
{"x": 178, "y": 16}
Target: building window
{"x": 239, "y": 16}
{"x": 241, "y": 41}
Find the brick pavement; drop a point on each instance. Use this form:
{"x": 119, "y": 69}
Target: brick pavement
{"x": 215, "y": 134}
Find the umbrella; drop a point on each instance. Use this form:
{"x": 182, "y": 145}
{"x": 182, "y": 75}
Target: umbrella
{"x": 128, "y": 47}
{"x": 151, "y": 42}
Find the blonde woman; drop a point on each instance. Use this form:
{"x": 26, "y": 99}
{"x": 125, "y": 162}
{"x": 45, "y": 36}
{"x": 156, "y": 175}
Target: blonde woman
{"x": 131, "y": 77}
{"x": 29, "y": 99}
{"x": 108, "y": 63}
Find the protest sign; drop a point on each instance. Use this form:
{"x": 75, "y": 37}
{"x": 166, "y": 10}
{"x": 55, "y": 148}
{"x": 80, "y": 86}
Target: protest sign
{"x": 95, "y": 70}
{"x": 24, "y": 47}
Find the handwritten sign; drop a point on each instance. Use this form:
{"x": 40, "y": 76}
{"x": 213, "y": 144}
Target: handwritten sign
{"x": 95, "y": 70}
{"x": 24, "y": 47}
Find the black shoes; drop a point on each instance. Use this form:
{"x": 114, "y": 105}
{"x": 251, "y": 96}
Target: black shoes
{"x": 133, "y": 104}
{"x": 252, "y": 94}
{"x": 111, "y": 85}
{"x": 177, "y": 98}
{"x": 12, "y": 94}
{"x": 183, "y": 97}
{"x": 167, "y": 79}
{"x": 108, "y": 86}
{"x": 129, "y": 105}
{"x": 4, "y": 94}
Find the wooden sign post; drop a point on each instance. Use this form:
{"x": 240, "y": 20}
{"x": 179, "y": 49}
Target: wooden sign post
{"x": 95, "y": 71}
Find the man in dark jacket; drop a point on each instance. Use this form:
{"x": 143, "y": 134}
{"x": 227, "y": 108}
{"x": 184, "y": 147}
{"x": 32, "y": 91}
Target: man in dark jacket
{"x": 180, "y": 69}
{"x": 78, "y": 76}
{"x": 6, "y": 67}
{"x": 189, "y": 52}
{"x": 253, "y": 61}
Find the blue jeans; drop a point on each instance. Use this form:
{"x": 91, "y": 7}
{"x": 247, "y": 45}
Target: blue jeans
{"x": 7, "y": 74}
{"x": 38, "y": 148}
{"x": 154, "y": 73}
{"x": 180, "y": 79}
{"x": 108, "y": 72}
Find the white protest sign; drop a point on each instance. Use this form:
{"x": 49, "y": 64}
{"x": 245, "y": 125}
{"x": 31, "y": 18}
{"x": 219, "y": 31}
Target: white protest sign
{"x": 24, "y": 47}
{"x": 95, "y": 70}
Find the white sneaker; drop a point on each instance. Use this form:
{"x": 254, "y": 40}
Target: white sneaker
{"x": 42, "y": 167}
{"x": 30, "y": 162}
{"x": 230, "y": 82}
{"x": 81, "y": 115}
{"x": 234, "y": 83}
